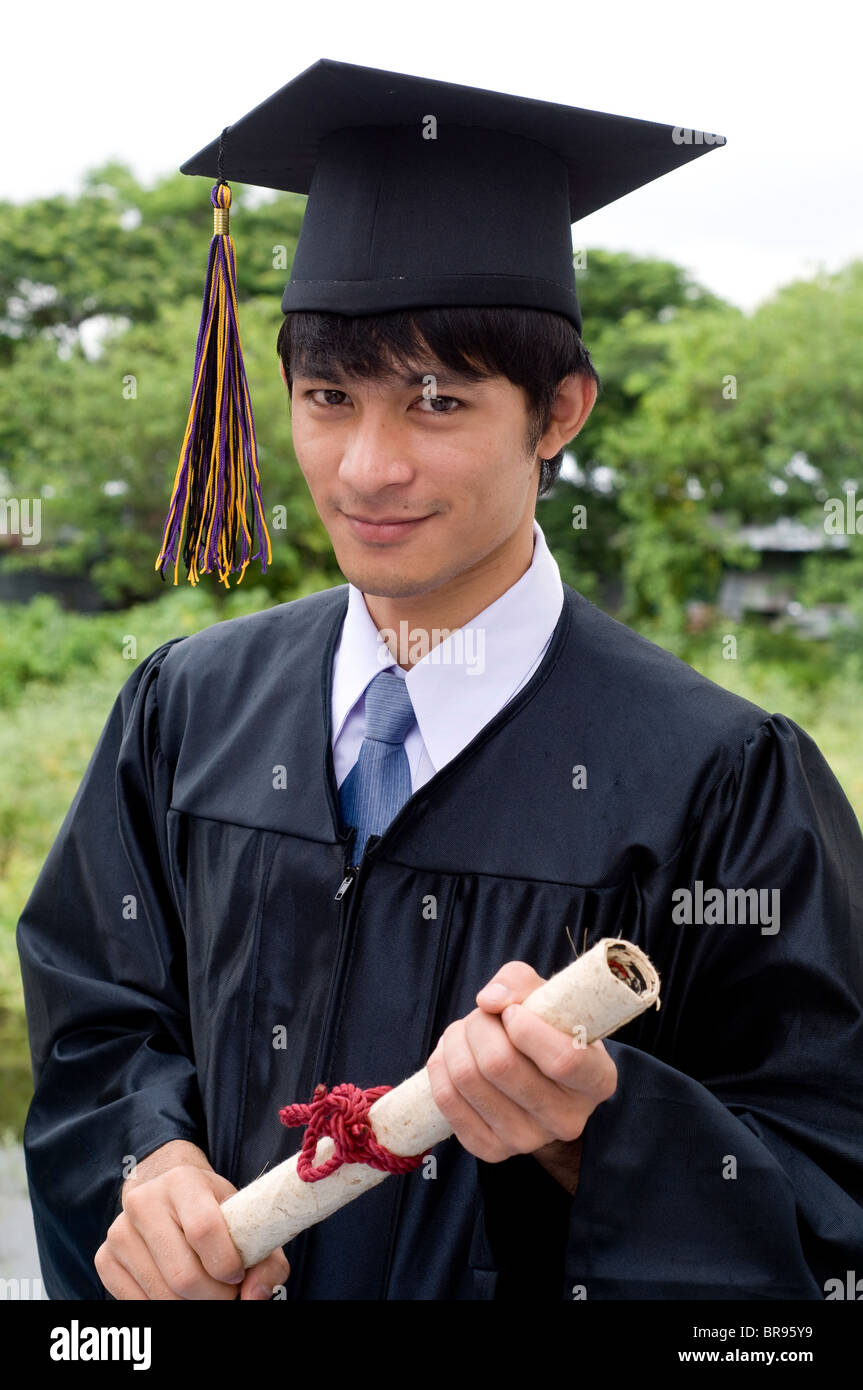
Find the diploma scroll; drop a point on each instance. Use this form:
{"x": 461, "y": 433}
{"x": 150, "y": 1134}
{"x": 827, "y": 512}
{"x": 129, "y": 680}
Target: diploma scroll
{"x": 598, "y": 993}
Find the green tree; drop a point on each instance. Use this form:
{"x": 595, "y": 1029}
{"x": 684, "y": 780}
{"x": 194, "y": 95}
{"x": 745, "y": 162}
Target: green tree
{"x": 631, "y": 308}
{"x": 94, "y": 426}
{"x": 723, "y": 419}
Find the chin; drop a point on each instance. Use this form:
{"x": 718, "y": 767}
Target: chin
{"x": 383, "y": 582}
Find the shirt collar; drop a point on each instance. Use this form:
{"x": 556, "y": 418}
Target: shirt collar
{"x": 475, "y": 670}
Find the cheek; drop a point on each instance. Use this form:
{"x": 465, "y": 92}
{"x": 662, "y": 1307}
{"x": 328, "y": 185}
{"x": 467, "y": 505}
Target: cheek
{"x": 467, "y": 469}
{"x": 314, "y": 454}
{"x": 489, "y": 490}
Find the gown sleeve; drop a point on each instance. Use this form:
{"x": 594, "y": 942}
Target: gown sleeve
{"x": 729, "y": 1162}
{"x": 102, "y": 953}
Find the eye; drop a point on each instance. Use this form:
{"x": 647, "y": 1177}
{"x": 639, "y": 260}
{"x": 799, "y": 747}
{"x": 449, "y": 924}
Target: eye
{"x": 327, "y": 391}
{"x": 435, "y": 401}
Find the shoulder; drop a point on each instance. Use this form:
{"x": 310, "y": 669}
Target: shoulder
{"x": 672, "y": 749}
{"x": 243, "y": 672}
{"x": 255, "y": 639}
{"x": 658, "y": 703}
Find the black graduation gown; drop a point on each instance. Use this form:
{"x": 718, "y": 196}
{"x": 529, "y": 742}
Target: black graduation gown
{"x": 194, "y": 904}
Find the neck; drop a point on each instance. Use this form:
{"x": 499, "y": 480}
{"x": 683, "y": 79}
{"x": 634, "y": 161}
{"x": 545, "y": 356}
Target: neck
{"x": 415, "y": 623}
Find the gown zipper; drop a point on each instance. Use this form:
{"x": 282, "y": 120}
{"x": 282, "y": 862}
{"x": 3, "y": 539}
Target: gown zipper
{"x": 347, "y": 897}
{"x": 346, "y": 883}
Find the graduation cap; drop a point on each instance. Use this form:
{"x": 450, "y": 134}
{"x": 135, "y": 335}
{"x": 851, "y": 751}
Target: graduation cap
{"x": 420, "y": 193}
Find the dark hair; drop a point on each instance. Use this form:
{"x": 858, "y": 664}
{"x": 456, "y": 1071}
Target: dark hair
{"x": 534, "y": 348}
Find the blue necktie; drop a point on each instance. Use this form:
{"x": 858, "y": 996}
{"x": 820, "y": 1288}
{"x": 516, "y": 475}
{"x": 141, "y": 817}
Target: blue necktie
{"x": 379, "y": 783}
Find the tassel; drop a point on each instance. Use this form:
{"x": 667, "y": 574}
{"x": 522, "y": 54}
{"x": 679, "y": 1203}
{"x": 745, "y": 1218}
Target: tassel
{"x": 218, "y": 469}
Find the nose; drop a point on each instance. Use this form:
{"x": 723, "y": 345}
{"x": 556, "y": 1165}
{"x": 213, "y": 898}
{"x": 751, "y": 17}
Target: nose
{"x": 375, "y": 453}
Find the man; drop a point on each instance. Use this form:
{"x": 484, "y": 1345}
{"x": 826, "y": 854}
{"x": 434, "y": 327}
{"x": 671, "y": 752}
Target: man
{"x": 302, "y": 847}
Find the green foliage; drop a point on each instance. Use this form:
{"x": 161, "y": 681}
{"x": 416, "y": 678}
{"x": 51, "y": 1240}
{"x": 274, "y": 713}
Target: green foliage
{"x": 120, "y": 249}
{"x": 614, "y": 284}
{"x": 632, "y": 308}
{"x": 40, "y": 643}
{"x": 703, "y": 418}
{"x": 95, "y": 428}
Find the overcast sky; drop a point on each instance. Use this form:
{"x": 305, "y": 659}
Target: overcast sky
{"x": 151, "y": 83}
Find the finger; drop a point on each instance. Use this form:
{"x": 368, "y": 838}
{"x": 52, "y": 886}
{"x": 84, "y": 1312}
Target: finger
{"x": 587, "y": 1070}
{"x": 469, "y": 1128}
{"x": 512, "y": 1074}
{"x": 178, "y": 1263}
{"x": 182, "y": 1203}
{"x": 130, "y": 1250}
{"x": 488, "y": 1112}
{"x": 198, "y": 1213}
{"x": 558, "y": 1111}
{"x": 116, "y": 1280}
{"x": 512, "y": 983}
{"x": 266, "y": 1278}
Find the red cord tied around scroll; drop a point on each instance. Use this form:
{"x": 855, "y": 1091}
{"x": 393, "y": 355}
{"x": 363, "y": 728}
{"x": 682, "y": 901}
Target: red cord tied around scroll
{"x": 342, "y": 1115}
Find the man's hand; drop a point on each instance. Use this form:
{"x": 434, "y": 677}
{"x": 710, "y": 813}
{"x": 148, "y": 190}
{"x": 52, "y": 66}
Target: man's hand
{"x": 171, "y": 1240}
{"x": 508, "y": 1082}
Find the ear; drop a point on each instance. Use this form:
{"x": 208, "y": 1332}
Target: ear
{"x": 576, "y": 397}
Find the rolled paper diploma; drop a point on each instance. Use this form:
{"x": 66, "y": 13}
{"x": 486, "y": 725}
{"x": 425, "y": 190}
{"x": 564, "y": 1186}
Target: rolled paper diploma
{"x": 598, "y": 993}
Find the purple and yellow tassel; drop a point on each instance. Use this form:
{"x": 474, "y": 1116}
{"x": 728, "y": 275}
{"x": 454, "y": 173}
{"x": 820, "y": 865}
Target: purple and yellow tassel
{"x": 218, "y": 470}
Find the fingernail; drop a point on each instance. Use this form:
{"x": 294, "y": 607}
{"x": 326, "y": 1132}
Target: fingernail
{"x": 508, "y": 1013}
{"x": 237, "y": 1279}
{"x": 262, "y": 1291}
{"x": 495, "y": 993}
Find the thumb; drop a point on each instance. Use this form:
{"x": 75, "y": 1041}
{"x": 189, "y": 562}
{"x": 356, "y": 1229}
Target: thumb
{"x": 264, "y": 1279}
{"x": 510, "y": 985}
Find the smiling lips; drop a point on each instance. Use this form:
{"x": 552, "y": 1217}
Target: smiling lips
{"x": 384, "y": 530}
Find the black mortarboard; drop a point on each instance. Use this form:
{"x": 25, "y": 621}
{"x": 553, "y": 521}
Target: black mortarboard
{"x": 427, "y": 193}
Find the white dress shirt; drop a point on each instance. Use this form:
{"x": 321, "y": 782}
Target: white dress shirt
{"x": 458, "y": 685}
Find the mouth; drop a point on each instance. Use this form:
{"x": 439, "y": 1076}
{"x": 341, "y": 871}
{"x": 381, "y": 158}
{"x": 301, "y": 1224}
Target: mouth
{"x": 385, "y": 530}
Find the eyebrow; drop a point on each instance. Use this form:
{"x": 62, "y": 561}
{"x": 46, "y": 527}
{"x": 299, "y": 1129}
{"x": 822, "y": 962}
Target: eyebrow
{"x": 401, "y": 378}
